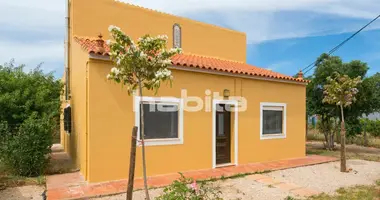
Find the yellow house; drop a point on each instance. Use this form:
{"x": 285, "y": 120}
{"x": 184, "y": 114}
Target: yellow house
{"x": 221, "y": 111}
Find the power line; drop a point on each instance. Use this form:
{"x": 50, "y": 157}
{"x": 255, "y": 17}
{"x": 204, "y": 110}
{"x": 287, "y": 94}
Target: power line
{"x": 313, "y": 64}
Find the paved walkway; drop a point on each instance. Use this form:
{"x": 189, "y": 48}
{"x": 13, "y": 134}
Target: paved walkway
{"x": 72, "y": 185}
{"x": 293, "y": 188}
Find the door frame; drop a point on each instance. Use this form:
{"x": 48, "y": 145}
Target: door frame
{"x": 235, "y": 131}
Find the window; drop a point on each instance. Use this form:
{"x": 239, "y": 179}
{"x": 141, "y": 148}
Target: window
{"x": 272, "y": 120}
{"x": 177, "y": 36}
{"x": 163, "y": 119}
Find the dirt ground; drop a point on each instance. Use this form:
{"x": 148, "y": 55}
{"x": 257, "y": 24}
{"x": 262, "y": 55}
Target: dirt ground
{"x": 322, "y": 178}
{"x": 31, "y": 192}
{"x": 351, "y": 148}
{"x": 328, "y": 178}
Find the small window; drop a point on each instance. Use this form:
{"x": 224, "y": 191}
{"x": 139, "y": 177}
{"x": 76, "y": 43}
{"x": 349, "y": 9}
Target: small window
{"x": 273, "y": 120}
{"x": 67, "y": 119}
{"x": 162, "y": 120}
{"x": 177, "y": 36}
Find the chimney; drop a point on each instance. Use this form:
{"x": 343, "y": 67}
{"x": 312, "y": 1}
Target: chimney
{"x": 300, "y": 75}
{"x": 100, "y": 45}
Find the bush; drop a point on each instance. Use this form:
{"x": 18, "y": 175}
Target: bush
{"x": 187, "y": 189}
{"x": 371, "y": 126}
{"x": 26, "y": 150}
{"x": 315, "y": 137}
{"x": 23, "y": 94}
{"x": 353, "y": 127}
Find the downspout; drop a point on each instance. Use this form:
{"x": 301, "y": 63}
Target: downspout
{"x": 67, "y": 45}
{"x": 87, "y": 122}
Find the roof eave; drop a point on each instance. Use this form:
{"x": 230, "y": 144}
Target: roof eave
{"x": 210, "y": 71}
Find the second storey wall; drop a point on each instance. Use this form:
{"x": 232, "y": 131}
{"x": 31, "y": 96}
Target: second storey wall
{"x": 91, "y": 17}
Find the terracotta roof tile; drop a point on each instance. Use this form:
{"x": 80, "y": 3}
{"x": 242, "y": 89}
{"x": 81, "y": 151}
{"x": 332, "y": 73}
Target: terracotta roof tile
{"x": 201, "y": 62}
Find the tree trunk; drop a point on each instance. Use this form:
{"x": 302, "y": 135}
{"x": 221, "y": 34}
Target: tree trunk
{"x": 343, "y": 167}
{"x": 365, "y": 135}
{"x": 332, "y": 144}
{"x": 143, "y": 142}
{"x": 326, "y": 133}
{"x": 326, "y": 143}
{"x": 132, "y": 164}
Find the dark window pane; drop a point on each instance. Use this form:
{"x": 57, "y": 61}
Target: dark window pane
{"x": 272, "y": 121}
{"x": 220, "y": 124}
{"x": 160, "y": 121}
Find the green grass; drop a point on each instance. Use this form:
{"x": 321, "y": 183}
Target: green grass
{"x": 15, "y": 181}
{"x": 370, "y": 192}
{"x": 290, "y": 198}
{"x": 349, "y": 155}
{"x": 359, "y": 192}
{"x": 314, "y": 135}
{"x": 7, "y": 179}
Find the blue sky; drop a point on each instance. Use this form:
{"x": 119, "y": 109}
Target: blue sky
{"x": 289, "y": 55}
{"x": 283, "y": 35}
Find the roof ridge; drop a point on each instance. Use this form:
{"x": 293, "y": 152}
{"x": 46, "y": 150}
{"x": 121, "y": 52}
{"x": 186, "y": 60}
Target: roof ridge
{"x": 85, "y": 37}
{"x": 213, "y": 57}
{"x": 164, "y": 13}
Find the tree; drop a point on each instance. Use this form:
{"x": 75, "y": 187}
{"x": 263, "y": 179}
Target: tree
{"x": 25, "y": 93}
{"x": 370, "y": 92}
{"x": 341, "y": 91}
{"x": 138, "y": 66}
{"x": 367, "y": 102}
{"x": 29, "y": 115}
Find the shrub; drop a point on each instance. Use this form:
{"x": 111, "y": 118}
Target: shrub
{"x": 26, "y": 150}
{"x": 188, "y": 189}
{"x": 23, "y": 94}
{"x": 371, "y": 126}
{"x": 353, "y": 127}
{"x": 315, "y": 137}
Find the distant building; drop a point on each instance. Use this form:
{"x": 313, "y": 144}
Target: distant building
{"x": 373, "y": 116}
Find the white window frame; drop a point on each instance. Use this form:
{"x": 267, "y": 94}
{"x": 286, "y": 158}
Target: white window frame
{"x": 273, "y": 106}
{"x": 165, "y": 141}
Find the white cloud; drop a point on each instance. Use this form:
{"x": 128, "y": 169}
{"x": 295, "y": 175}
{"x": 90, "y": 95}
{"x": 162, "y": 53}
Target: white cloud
{"x": 32, "y": 54}
{"x": 261, "y": 20}
{"x": 32, "y": 32}
{"x": 280, "y": 65}
{"x": 349, "y": 8}
{"x": 33, "y": 15}
{"x": 269, "y": 20}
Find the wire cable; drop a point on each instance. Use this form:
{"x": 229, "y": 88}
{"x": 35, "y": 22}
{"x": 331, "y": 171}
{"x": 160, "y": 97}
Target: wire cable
{"x": 313, "y": 64}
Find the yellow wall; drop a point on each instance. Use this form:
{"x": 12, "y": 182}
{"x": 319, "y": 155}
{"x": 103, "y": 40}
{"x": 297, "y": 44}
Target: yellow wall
{"x": 75, "y": 142}
{"x": 90, "y": 17}
{"x": 111, "y": 119}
